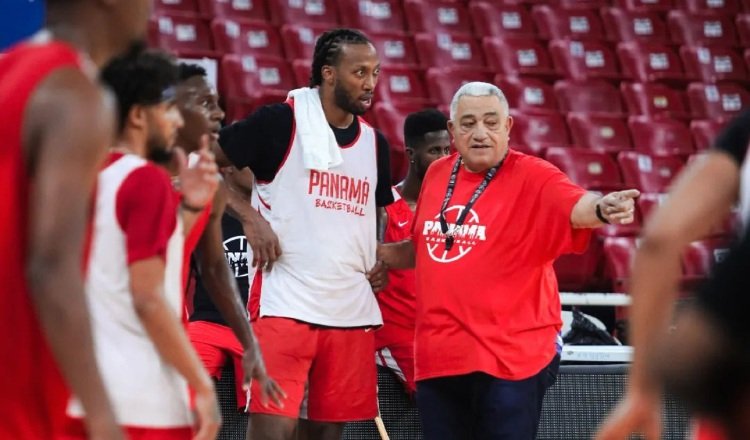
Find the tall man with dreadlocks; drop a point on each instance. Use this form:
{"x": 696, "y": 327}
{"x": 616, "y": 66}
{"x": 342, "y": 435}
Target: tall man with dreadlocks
{"x": 320, "y": 172}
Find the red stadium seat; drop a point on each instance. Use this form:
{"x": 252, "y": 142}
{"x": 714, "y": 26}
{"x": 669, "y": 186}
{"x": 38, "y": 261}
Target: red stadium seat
{"x": 646, "y": 26}
{"x": 711, "y": 101}
{"x": 180, "y": 7}
{"x": 661, "y": 137}
{"x": 727, "y": 7}
{"x": 647, "y": 62}
{"x": 501, "y": 20}
{"x": 391, "y": 121}
{"x": 189, "y": 37}
{"x": 589, "y": 169}
{"x": 516, "y": 56}
{"x": 299, "y": 40}
{"x": 747, "y": 58}
{"x": 701, "y": 28}
{"x": 437, "y": 16}
{"x": 247, "y": 38}
{"x": 247, "y": 82}
{"x": 442, "y": 83}
{"x": 705, "y": 132}
{"x": 655, "y": 100}
{"x": 401, "y": 86}
{"x": 577, "y": 24}
{"x": 579, "y": 272}
{"x": 235, "y": 9}
{"x": 645, "y": 5}
{"x": 395, "y": 48}
{"x": 648, "y": 173}
{"x": 528, "y": 95}
{"x": 441, "y": 49}
{"x": 618, "y": 260}
{"x": 699, "y": 259}
{"x": 647, "y": 204}
{"x": 580, "y": 4}
{"x": 743, "y": 28}
{"x": 583, "y": 60}
{"x": 372, "y": 15}
{"x": 534, "y": 133}
{"x": 712, "y": 64}
{"x": 320, "y": 12}
{"x": 608, "y": 134}
{"x": 596, "y": 97}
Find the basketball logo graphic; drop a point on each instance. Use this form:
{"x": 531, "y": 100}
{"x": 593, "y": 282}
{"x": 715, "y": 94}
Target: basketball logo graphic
{"x": 235, "y": 250}
{"x": 466, "y": 235}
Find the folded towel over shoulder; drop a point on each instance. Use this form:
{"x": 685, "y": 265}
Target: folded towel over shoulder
{"x": 320, "y": 151}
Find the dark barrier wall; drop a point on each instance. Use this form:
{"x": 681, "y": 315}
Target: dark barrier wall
{"x": 573, "y": 407}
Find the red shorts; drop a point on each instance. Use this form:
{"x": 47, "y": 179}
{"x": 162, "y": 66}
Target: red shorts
{"x": 395, "y": 350}
{"x": 335, "y": 363}
{"x": 707, "y": 430}
{"x": 215, "y": 344}
{"x": 75, "y": 430}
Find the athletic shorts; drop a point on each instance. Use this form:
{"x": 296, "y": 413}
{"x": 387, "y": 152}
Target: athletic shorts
{"x": 399, "y": 358}
{"x": 394, "y": 349}
{"x": 335, "y": 364}
{"x": 216, "y": 344}
{"x": 74, "y": 429}
{"x": 707, "y": 430}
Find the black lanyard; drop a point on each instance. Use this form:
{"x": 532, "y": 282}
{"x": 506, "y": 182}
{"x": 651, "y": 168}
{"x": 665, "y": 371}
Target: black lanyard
{"x": 450, "y": 235}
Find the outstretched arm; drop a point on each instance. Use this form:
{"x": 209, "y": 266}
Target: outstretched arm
{"x": 68, "y": 126}
{"x": 702, "y": 197}
{"x": 222, "y": 289}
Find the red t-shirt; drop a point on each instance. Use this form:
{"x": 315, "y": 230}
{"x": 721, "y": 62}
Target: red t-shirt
{"x": 34, "y": 395}
{"x": 398, "y": 300}
{"x": 491, "y": 303}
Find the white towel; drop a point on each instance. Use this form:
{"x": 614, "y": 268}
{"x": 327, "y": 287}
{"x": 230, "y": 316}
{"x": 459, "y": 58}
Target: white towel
{"x": 320, "y": 151}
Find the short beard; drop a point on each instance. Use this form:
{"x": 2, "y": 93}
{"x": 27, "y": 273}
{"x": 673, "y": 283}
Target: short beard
{"x": 345, "y": 102}
{"x": 157, "y": 152}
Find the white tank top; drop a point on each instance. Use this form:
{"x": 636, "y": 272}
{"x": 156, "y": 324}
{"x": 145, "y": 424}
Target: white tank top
{"x": 144, "y": 390}
{"x": 326, "y": 224}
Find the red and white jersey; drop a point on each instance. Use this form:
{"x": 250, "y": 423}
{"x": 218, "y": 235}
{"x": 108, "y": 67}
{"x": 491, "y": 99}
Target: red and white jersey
{"x": 135, "y": 219}
{"x": 398, "y": 299}
{"x": 326, "y": 224}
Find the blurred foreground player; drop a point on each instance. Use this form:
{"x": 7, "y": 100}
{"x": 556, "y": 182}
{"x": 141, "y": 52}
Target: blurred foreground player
{"x": 701, "y": 197}
{"x": 220, "y": 325}
{"x": 55, "y": 126}
{"x": 134, "y": 284}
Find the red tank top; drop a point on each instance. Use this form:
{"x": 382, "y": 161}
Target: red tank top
{"x": 33, "y": 393}
{"x": 398, "y": 300}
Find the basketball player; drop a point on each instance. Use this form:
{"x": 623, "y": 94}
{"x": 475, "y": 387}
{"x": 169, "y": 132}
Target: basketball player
{"x": 701, "y": 197}
{"x": 134, "y": 284}
{"x": 318, "y": 185}
{"x": 427, "y": 140}
{"x": 55, "y": 125}
{"x": 217, "y": 301}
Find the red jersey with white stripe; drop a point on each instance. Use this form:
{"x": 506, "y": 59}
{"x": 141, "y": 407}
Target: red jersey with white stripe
{"x": 33, "y": 391}
{"x": 136, "y": 219}
{"x": 398, "y": 300}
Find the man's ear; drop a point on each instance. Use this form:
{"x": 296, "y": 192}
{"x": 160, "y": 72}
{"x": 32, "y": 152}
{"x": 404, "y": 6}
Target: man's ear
{"x": 136, "y": 116}
{"x": 328, "y": 74}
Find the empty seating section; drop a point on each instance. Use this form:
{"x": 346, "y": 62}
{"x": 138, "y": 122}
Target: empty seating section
{"x": 616, "y": 93}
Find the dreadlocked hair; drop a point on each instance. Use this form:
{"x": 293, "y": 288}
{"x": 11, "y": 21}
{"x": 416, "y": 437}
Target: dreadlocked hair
{"x": 328, "y": 50}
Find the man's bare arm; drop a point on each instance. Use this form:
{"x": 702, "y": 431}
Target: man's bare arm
{"x": 399, "y": 255}
{"x": 222, "y": 289}
{"x": 169, "y": 338}
{"x": 68, "y": 127}
{"x": 701, "y": 197}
